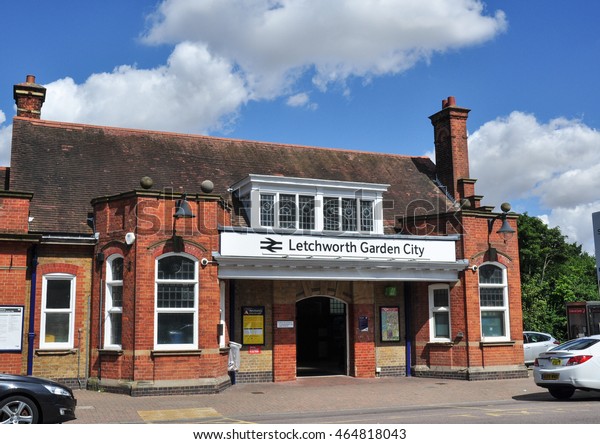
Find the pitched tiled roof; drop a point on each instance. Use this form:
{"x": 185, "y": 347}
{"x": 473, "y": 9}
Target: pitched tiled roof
{"x": 67, "y": 165}
{"x": 4, "y": 174}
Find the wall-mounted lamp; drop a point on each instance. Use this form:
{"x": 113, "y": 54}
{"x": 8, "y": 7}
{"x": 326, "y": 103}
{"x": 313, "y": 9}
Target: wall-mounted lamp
{"x": 182, "y": 211}
{"x": 505, "y": 230}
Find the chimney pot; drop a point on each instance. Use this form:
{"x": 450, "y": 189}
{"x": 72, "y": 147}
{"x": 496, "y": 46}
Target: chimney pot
{"x": 451, "y": 101}
{"x": 444, "y": 103}
{"x": 30, "y": 78}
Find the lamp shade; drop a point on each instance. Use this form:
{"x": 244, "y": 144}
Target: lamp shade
{"x": 182, "y": 209}
{"x": 506, "y": 230}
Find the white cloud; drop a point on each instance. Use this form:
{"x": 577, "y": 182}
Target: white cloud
{"x": 551, "y": 168}
{"x": 301, "y": 100}
{"x": 193, "y": 92}
{"x": 273, "y": 42}
{"x": 5, "y": 138}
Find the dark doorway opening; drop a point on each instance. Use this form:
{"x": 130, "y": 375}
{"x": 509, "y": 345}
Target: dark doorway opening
{"x": 320, "y": 337}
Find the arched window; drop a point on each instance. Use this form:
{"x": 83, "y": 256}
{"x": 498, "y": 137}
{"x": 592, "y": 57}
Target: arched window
{"x": 493, "y": 302}
{"x": 439, "y": 313}
{"x": 176, "y": 325}
{"x": 113, "y": 305}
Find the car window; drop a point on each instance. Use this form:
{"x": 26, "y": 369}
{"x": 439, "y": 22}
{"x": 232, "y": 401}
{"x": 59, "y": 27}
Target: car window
{"x": 576, "y": 344}
{"x": 538, "y": 337}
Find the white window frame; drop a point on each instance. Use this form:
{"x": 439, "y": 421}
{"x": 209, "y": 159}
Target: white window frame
{"x": 251, "y": 189}
{"x": 109, "y": 307}
{"x": 47, "y": 344}
{"x": 433, "y": 310}
{"x": 504, "y": 309}
{"x": 188, "y": 310}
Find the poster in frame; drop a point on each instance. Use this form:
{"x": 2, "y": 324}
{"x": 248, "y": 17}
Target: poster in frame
{"x": 389, "y": 321}
{"x": 253, "y": 325}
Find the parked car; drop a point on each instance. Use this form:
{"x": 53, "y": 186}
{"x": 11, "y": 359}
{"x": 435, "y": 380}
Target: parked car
{"x": 572, "y": 365}
{"x": 31, "y": 400}
{"x": 535, "y": 343}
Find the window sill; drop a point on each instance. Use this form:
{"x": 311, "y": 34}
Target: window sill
{"x": 110, "y": 351}
{"x": 154, "y": 353}
{"x": 440, "y": 344}
{"x": 55, "y": 352}
{"x": 503, "y": 343}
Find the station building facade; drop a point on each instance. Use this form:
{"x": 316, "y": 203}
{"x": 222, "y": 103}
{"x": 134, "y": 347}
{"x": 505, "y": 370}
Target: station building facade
{"x": 136, "y": 260}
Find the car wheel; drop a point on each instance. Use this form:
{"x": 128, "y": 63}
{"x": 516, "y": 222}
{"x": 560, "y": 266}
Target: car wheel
{"x": 18, "y": 410}
{"x": 562, "y": 393}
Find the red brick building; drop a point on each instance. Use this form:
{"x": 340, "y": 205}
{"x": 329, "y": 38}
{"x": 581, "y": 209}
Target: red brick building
{"x": 134, "y": 260}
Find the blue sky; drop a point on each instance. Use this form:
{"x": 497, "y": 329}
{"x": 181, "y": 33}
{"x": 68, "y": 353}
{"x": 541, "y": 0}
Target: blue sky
{"x": 355, "y": 74}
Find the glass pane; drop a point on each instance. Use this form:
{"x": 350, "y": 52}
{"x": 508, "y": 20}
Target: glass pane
{"x": 58, "y": 293}
{"x": 366, "y": 215}
{"x": 115, "y": 328}
{"x": 116, "y": 293}
{"x": 491, "y": 297}
{"x": 442, "y": 325}
{"x": 490, "y": 274}
{"x": 492, "y": 323}
{"x": 176, "y": 268}
{"x": 57, "y": 327}
{"x": 349, "y": 216}
{"x": 577, "y": 344}
{"x": 175, "y": 296}
{"x": 116, "y": 268}
{"x": 307, "y": 212}
{"x": 175, "y": 328}
{"x": 440, "y": 298}
{"x": 287, "y": 211}
{"x": 331, "y": 213}
{"x": 336, "y": 307}
{"x": 267, "y": 210}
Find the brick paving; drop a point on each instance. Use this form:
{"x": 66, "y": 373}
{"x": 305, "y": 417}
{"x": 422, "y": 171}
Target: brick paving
{"x": 324, "y": 394}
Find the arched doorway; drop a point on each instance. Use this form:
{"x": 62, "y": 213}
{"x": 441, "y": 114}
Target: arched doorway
{"x": 321, "y": 337}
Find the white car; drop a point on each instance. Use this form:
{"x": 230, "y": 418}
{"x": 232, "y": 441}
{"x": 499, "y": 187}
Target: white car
{"x": 535, "y": 343}
{"x": 572, "y": 365}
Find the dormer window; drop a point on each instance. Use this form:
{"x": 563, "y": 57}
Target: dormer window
{"x": 312, "y": 204}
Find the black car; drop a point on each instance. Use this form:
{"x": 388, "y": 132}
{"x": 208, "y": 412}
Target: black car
{"x": 31, "y": 400}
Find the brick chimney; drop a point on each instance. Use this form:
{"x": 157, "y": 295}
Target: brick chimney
{"x": 29, "y": 97}
{"x": 451, "y": 149}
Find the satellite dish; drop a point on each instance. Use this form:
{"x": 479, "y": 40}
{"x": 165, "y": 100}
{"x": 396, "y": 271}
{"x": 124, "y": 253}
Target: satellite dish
{"x": 129, "y": 238}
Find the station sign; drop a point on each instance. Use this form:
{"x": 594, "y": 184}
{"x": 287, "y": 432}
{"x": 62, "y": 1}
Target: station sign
{"x": 252, "y": 244}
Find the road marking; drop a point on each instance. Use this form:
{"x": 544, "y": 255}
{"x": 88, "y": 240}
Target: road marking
{"x": 178, "y": 414}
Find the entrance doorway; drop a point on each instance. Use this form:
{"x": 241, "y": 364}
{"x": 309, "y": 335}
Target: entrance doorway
{"x": 321, "y": 337}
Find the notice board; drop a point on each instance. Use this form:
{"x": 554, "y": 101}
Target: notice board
{"x": 11, "y": 328}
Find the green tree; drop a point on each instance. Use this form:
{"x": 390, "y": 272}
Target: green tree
{"x": 553, "y": 272}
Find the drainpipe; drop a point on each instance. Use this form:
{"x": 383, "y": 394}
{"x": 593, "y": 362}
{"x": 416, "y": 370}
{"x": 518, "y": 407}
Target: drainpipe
{"x": 231, "y": 309}
{"x": 100, "y": 324}
{"x": 407, "y": 321}
{"x": 32, "y": 310}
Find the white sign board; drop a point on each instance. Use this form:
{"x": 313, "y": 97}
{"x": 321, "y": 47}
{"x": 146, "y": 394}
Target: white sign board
{"x": 261, "y": 245}
{"x": 11, "y": 328}
{"x": 596, "y": 225}
{"x": 285, "y": 324}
